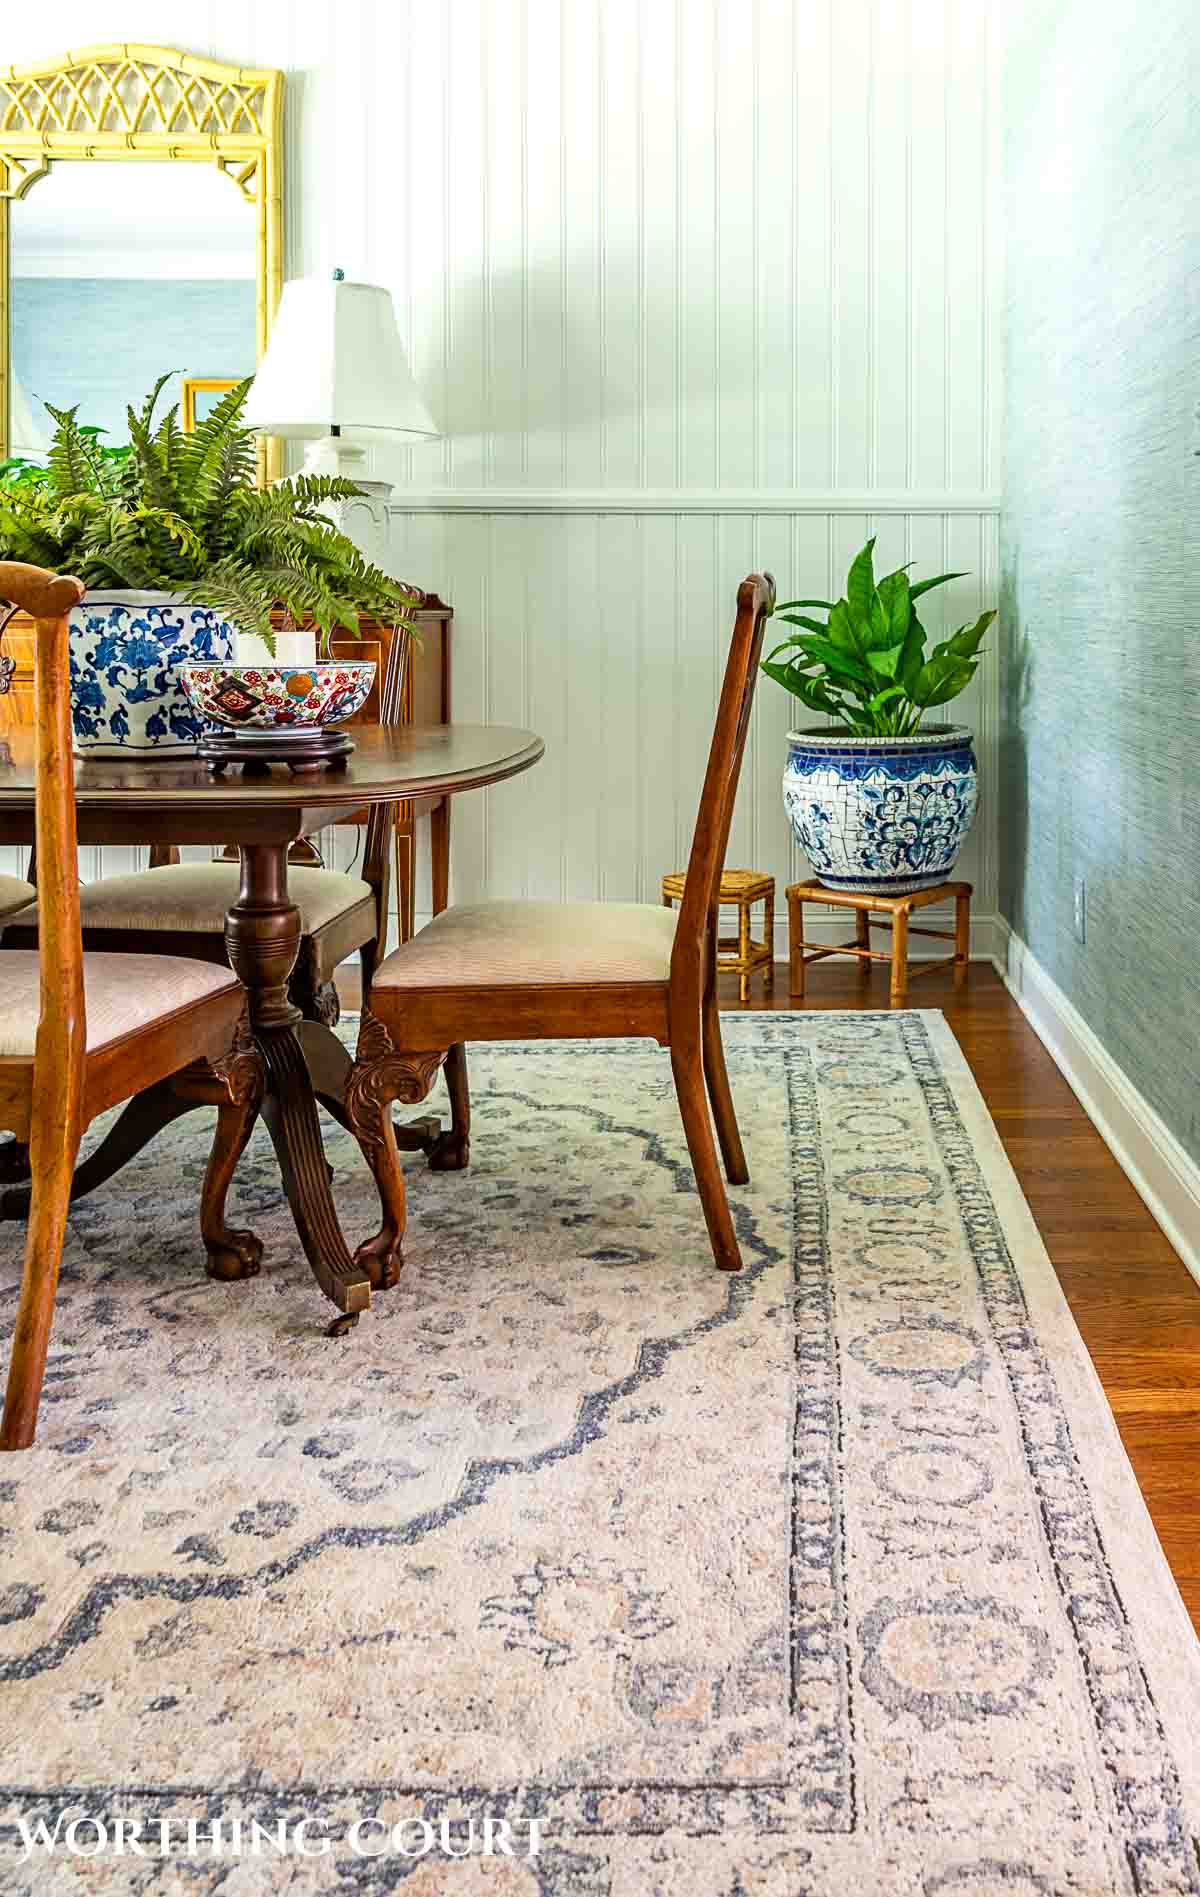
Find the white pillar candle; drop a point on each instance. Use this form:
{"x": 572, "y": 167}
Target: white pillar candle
{"x": 297, "y": 647}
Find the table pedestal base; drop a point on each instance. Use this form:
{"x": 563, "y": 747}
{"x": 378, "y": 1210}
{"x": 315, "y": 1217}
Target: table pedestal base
{"x": 280, "y": 1066}
{"x": 303, "y": 1062}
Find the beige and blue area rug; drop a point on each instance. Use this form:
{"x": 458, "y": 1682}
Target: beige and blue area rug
{"x": 828, "y": 1578}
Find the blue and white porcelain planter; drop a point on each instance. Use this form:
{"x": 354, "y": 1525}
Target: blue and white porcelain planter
{"x": 128, "y": 651}
{"x": 881, "y": 815}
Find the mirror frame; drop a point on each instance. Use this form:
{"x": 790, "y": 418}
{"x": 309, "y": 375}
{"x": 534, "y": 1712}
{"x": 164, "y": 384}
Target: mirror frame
{"x": 146, "y": 102}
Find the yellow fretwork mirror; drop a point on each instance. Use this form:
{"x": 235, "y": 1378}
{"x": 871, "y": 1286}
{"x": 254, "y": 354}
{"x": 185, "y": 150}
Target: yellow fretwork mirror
{"x": 109, "y": 278}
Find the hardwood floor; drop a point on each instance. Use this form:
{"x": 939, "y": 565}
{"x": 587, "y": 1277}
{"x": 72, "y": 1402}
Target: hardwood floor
{"x": 1135, "y": 1303}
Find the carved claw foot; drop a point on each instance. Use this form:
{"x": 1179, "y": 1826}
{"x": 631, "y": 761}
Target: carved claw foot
{"x": 237, "y": 1255}
{"x": 231, "y": 1254}
{"x": 382, "y": 1258}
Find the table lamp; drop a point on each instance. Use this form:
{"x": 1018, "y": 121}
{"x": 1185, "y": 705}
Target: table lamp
{"x": 335, "y": 362}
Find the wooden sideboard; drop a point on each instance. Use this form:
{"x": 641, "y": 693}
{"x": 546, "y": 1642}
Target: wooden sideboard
{"x": 426, "y": 701}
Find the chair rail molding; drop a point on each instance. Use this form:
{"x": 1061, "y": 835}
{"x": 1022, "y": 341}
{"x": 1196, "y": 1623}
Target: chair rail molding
{"x": 692, "y": 500}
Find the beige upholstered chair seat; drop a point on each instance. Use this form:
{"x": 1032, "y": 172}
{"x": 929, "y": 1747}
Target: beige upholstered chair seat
{"x": 535, "y": 944}
{"x": 14, "y": 894}
{"x": 192, "y": 898}
{"x": 123, "y": 993}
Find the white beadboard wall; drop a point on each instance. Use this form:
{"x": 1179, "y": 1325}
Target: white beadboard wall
{"x": 693, "y": 286}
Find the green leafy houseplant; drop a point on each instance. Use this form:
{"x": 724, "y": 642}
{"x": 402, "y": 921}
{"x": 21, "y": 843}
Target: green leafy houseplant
{"x": 181, "y": 514}
{"x": 864, "y": 666}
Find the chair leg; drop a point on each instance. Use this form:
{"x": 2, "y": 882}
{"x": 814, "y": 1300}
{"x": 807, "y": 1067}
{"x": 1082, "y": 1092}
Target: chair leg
{"x": 368, "y": 958}
{"x": 439, "y": 854}
{"x": 451, "y": 1152}
{"x": 230, "y": 1254}
{"x": 687, "y": 1065}
{"x": 383, "y": 1255}
{"x": 862, "y": 940}
{"x": 899, "y": 955}
{"x": 717, "y": 1081}
{"x": 769, "y": 940}
{"x": 378, "y": 1077}
{"x": 405, "y": 878}
{"x": 39, "y": 1285}
{"x": 795, "y": 947}
{"x": 962, "y": 939}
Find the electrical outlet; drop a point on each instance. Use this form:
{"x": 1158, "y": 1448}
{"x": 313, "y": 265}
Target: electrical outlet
{"x": 1080, "y": 909}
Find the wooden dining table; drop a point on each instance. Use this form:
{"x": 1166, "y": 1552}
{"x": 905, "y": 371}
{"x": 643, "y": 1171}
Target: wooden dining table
{"x": 299, "y": 1063}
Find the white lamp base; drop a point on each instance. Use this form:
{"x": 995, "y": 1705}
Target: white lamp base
{"x": 333, "y": 454}
{"x": 364, "y": 520}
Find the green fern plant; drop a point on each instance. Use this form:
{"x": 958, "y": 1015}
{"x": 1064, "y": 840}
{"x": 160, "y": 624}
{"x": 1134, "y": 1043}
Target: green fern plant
{"x": 181, "y": 514}
{"x": 21, "y": 471}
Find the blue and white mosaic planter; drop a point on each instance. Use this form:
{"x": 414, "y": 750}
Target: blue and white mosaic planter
{"x": 128, "y": 651}
{"x": 882, "y": 815}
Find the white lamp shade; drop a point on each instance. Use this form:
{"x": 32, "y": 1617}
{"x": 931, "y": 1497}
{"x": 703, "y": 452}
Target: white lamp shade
{"x": 335, "y": 360}
{"x": 25, "y": 438}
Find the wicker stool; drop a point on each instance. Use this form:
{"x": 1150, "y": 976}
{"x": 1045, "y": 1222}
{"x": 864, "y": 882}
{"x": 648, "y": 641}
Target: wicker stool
{"x": 898, "y": 908}
{"x": 741, "y": 887}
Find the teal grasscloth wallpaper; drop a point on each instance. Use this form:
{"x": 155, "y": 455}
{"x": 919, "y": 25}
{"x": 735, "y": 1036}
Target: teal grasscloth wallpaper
{"x": 1100, "y": 556}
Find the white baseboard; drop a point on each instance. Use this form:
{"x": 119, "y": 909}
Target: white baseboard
{"x": 1141, "y": 1142}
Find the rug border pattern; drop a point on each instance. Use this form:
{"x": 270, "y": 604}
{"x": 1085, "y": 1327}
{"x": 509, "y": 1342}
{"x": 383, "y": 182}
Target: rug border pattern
{"x": 1161, "y": 1854}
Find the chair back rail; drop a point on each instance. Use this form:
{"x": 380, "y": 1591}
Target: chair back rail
{"x": 61, "y": 1029}
{"x": 62, "y": 1024}
{"x": 381, "y": 820}
{"x": 698, "y": 910}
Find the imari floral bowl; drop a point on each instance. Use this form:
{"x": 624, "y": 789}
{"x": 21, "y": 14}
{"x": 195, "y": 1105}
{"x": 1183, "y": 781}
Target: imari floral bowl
{"x": 276, "y": 697}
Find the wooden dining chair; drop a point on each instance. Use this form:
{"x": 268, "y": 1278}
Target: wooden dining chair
{"x": 518, "y": 971}
{"x": 177, "y": 908}
{"x": 78, "y": 1033}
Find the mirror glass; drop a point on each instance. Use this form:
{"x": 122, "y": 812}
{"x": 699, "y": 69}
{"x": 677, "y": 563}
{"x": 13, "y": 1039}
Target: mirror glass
{"x": 121, "y": 271}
